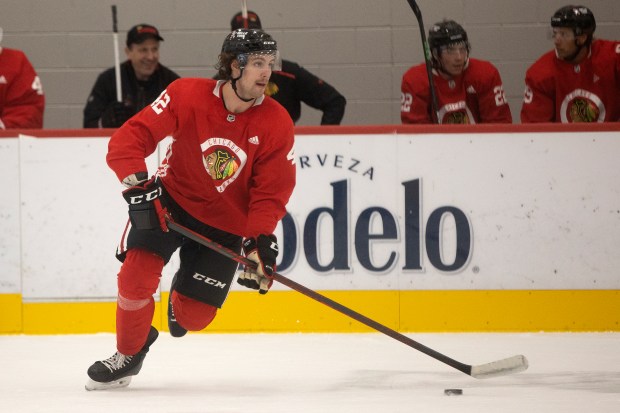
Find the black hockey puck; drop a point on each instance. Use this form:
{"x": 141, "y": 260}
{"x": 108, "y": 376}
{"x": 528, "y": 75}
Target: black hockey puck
{"x": 453, "y": 392}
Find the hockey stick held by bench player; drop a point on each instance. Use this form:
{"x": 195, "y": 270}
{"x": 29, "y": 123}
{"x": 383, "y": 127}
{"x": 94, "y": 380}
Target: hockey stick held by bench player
{"x": 497, "y": 368}
{"x": 428, "y": 61}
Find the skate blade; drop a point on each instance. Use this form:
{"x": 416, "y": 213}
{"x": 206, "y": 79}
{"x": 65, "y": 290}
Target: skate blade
{"x": 116, "y": 384}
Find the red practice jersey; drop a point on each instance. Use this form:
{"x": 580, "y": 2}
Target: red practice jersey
{"x": 21, "y": 96}
{"x": 475, "y": 96}
{"x": 234, "y": 172}
{"x": 559, "y": 91}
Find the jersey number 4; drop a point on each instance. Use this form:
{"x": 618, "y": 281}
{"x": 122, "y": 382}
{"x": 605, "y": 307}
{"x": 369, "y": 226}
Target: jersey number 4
{"x": 160, "y": 103}
{"x": 37, "y": 86}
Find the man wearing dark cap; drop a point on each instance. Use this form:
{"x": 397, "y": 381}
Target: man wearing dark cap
{"x": 294, "y": 84}
{"x": 143, "y": 78}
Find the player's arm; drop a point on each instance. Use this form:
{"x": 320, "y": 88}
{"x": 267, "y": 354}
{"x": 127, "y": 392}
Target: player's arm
{"x": 492, "y": 102}
{"x": 320, "y": 95}
{"x": 538, "y": 104}
{"x": 414, "y": 103}
{"x": 25, "y": 101}
{"x": 273, "y": 182}
{"x": 133, "y": 142}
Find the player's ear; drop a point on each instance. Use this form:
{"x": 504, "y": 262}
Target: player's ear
{"x": 234, "y": 67}
{"x": 581, "y": 39}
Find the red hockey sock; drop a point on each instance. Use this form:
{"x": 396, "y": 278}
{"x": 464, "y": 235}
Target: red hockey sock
{"x": 137, "y": 282}
{"x": 192, "y": 315}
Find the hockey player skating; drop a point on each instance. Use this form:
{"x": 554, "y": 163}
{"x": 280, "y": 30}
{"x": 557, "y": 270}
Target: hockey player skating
{"x": 227, "y": 175}
{"x": 578, "y": 81}
{"x": 468, "y": 90}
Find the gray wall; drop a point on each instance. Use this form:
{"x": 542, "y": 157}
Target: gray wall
{"x": 362, "y": 47}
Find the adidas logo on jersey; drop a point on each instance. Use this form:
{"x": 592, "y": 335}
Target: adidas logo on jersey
{"x": 3, "y": 80}
{"x": 254, "y": 140}
{"x": 471, "y": 90}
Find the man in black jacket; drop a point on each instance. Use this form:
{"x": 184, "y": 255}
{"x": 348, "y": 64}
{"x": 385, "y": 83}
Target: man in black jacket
{"x": 294, "y": 84}
{"x": 143, "y": 78}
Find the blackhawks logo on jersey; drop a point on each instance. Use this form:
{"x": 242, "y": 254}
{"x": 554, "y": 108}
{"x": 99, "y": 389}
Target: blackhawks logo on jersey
{"x": 456, "y": 113}
{"x": 582, "y": 106}
{"x": 456, "y": 118}
{"x": 221, "y": 164}
{"x": 223, "y": 161}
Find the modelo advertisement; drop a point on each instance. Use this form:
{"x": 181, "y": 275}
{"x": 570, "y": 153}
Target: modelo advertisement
{"x": 455, "y": 211}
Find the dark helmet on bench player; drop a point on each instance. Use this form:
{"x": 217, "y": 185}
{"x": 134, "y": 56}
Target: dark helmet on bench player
{"x": 444, "y": 35}
{"x": 578, "y": 18}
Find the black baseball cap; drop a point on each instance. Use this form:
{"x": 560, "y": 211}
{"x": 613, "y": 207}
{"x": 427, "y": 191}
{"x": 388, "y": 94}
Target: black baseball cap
{"x": 237, "y": 21}
{"x": 140, "y": 32}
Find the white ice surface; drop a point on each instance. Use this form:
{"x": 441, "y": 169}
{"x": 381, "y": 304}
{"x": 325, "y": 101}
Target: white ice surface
{"x": 273, "y": 373}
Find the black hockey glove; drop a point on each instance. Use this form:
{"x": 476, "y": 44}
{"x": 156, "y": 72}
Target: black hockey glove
{"x": 115, "y": 115}
{"x": 145, "y": 209}
{"x": 263, "y": 250}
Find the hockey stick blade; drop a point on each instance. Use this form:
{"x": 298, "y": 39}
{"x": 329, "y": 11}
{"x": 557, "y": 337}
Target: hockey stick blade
{"x": 494, "y": 369}
{"x": 499, "y": 368}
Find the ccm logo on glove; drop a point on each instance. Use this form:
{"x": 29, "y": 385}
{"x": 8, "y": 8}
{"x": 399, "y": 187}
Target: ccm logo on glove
{"x": 145, "y": 208}
{"x": 148, "y": 197}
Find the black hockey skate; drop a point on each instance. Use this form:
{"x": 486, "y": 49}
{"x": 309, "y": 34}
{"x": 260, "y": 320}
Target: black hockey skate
{"x": 116, "y": 371}
{"x": 175, "y": 328}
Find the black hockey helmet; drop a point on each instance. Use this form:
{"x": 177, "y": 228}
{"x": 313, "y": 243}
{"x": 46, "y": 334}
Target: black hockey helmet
{"x": 579, "y": 18}
{"x": 445, "y": 33}
{"x": 246, "y": 41}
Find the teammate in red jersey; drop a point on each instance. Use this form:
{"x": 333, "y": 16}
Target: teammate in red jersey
{"x": 228, "y": 175}
{"x": 22, "y": 101}
{"x": 579, "y": 81}
{"x": 468, "y": 90}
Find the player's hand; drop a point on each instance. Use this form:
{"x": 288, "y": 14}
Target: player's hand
{"x": 115, "y": 115}
{"x": 145, "y": 208}
{"x": 263, "y": 250}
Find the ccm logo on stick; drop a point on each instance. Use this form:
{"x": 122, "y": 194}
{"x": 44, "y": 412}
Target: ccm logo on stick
{"x": 209, "y": 281}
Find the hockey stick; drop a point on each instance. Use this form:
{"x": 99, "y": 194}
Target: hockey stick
{"x": 117, "y": 63}
{"x": 502, "y": 367}
{"x": 427, "y": 59}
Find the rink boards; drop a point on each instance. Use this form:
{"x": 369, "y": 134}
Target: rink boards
{"x": 478, "y": 228}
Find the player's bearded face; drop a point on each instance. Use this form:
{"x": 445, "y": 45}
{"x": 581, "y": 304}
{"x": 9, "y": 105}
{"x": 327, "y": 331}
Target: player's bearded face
{"x": 256, "y": 76}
